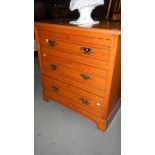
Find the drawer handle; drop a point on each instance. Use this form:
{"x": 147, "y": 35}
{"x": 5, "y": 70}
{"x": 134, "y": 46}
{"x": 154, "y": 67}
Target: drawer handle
{"x": 53, "y": 67}
{"x": 52, "y": 43}
{"x": 85, "y": 77}
{"x": 84, "y": 101}
{"x": 86, "y": 50}
{"x": 55, "y": 89}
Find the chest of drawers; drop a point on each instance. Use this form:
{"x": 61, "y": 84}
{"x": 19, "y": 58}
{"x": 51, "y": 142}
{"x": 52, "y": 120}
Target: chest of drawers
{"x": 81, "y": 67}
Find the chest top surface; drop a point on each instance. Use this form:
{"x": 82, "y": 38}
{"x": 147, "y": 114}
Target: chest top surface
{"x": 107, "y": 26}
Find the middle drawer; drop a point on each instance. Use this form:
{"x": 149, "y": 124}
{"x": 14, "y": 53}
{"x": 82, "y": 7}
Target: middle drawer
{"x": 83, "y": 79}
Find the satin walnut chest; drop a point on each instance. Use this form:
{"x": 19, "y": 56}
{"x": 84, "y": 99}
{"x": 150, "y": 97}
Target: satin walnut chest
{"x": 81, "y": 67}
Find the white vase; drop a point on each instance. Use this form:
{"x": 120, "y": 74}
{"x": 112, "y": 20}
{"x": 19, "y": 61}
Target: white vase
{"x": 85, "y": 17}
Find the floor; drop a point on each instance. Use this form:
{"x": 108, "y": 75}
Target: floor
{"x": 60, "y": 131}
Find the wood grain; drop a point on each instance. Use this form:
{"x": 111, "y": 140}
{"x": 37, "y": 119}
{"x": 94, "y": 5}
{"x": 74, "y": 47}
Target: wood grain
{"x": 93, "y": 84}
{"x": 77, "y": 58}
{"x": 97, "y": 42}
{"x": 86, "y": 83}
{"x": 95, "y": 103}
{"x": 74, "y": 65}
{"x": 101, "y": 53}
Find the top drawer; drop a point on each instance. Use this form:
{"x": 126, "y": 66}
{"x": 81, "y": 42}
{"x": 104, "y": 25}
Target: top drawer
{"x": 102, "y": 54}
{"x": 95, "y": 41}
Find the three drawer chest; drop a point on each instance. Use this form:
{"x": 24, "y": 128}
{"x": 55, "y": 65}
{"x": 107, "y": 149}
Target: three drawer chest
{"x": 81, "y": 67}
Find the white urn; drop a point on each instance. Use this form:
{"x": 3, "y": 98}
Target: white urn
{"x": 85, "y": 8}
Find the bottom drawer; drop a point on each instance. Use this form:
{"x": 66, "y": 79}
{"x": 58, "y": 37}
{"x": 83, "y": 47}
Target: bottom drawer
{"x": 78, "y": 97}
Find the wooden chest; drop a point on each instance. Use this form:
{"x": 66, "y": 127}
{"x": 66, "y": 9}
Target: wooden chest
{"x": 81, "y": 67}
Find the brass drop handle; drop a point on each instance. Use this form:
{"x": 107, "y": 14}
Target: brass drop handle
{"x": 84, "y": 101}
{"x": 55, "y": 89}
{"x": 52, "y": 43}
{"x": 86, "y": 50}
{"x": 53, "y": 67}
{"x": 85, "y": 77}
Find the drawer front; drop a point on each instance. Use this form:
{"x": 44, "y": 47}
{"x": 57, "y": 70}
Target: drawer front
{"x": 80, "y": 49}
{"x": 77, "y": 78}
{"x": 78, "y": 97}
{"x": 77, "y": 58}
{"x": 95, "y": 41}
{"x": 74, "y": 65}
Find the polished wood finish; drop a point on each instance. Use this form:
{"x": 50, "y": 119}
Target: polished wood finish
{"x": 73, "y": 64}
{"x": 96, "y": 31}
{"x": 97, "y": 42}
{"x": 78, "y": 78}
{"x": 114, "y": 8}
{"x": 80, "y": 48}
{"x": 81, "y": 67}
{"x": 77, "y": 58}
{"x": 94, "y": 103}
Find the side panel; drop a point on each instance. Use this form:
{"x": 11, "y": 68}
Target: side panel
{"x": 38, "y": 45}
{"x": 115, "y": 91}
